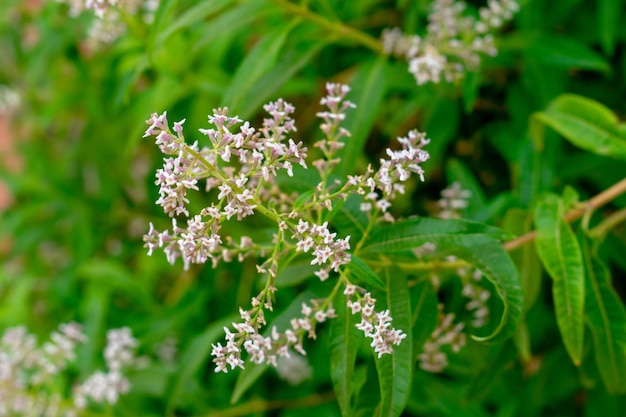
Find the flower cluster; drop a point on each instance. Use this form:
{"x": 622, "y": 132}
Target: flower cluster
{"x": 240, "y": 165}
{"x": 267, "y": 349}
{"x": 239, "y": 168}
{"x": 433, "y": 358}
{"x": 375, "y": 325}
{"x": 477, "y": 295}
{"x": 9, "y": 99}
{"x": 326, "y": 249}
{"x": 453, "y": 201}
{"x": 294, "y": 368}
{"x": 381, "y": 187}
{"x": 109, "y": 24}
{"x": 453, "y": 42}
{"x": 336, "y": 104}
{"x": 107, "y": 386}
{"x": 26, "y": 368}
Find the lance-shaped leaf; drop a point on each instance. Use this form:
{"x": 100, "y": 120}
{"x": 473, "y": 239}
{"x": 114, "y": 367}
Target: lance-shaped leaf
{"x": 606, "y": 317}
{"x": 473, "y": 242}
{"x": 560, "y": 254}
{"x": 395, "y": 371}
{"x": 344, "y": 342}
{"x": 585, "y": 123}
{"x": 363, "y": 273}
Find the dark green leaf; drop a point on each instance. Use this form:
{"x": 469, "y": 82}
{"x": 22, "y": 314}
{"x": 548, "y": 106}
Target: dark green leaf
{"x": 463, "y": 240}
{"x": 369, "y": 85}
{"x": 363, "y": 273}
{"x": 425, "y": 313}
{"x": 192, "y": 358}
{"x": 606, "y": 317}
{"x": 559, "y": 251}
{"x": 459, "y": 172}
{"x": 554, "y": 50}
{"x": 609, "y": 17}
{"x": 343, "y": 341}
{"x": 395, "y": 371}
{"x": 408, "y": 234}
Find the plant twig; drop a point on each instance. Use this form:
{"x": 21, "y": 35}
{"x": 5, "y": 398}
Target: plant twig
{"x": 338, "y": 28}
{"x": 259, "y": 405}
{"x": 596, "y": 202}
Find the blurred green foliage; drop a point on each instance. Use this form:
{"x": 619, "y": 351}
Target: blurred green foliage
{"x": 84, "y": 192}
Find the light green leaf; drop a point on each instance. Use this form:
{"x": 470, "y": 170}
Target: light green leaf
{"x": 395, "y": 371}
{"x": 284, "y": 70}
{"x": 585, "y": 123}
{"x": 363, "y": 273}
{"x": 195, "y": 14}
{"x": 606, "y": 317}
{"x": 256, "y": 63}
{"x": 559, "y": 251}
{"x": 239, "y": 17}
{"x": 467, "y": 241}
{"x": 369, "y": 86}
{"x": 344, "y": 342}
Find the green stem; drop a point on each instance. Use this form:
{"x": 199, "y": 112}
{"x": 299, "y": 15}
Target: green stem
{"x": 258, "y": 405}
{"x": 337, "y": 28}
{"x": 367, "y": 231}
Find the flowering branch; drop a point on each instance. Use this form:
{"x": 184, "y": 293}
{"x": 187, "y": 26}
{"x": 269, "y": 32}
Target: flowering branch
{"x": 239, "y": 168}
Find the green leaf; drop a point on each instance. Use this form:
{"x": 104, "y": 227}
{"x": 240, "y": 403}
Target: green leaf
{"x": 195, "y": 14}
{"x": 363, "y": 273}
{"x": 192, "y": 358}
{"x": 268, "y": 85}
{"x": 240, "y": 17}
{"x": 408, "y": 234}
{"x": 471, "y": 84}
{"x": 256, "y": 63}
{"x": 465, "y": 240}
{"x": 458, "y": 171}
{"x": 425, "y": 313}
{"x": 369, "y": 86}
{"x": 585, "y": 123}
{"x": 343, "y": 342}
{"x": 296, "y": 273}
{"x": 395, "y": 371}
{"x": 609, "y": 15}
{"x": 556, "y": 51}
{"x": 606, "y": 317}
{"x": 350, "y": 220}
{"x": 519, "y": 222}
{"x": 525, "y": 257}
{"x": 559, "y": 251}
